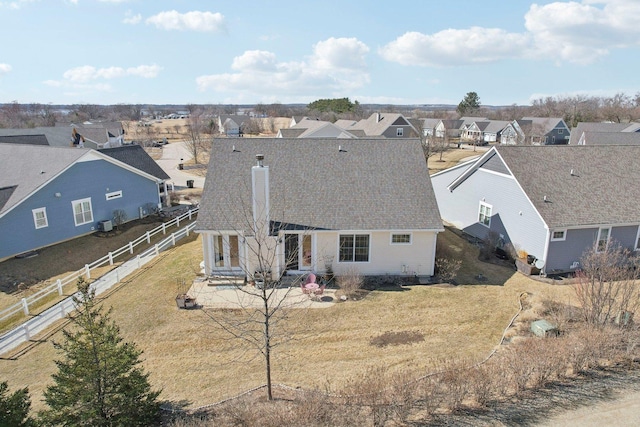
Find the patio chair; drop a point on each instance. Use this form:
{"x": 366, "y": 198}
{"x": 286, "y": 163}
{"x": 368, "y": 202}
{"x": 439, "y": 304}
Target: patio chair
{"x": 311, "y": 278}
{"x": 304, "y": 290}
{"x": 320, "y": 290}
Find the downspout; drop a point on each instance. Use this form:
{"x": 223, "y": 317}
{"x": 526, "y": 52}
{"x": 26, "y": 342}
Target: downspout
{"x": 546, "y": 250}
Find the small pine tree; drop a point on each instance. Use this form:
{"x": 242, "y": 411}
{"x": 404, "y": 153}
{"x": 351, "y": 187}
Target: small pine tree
{"x": 14, "y": 408}
{"x": 99, "y": 382}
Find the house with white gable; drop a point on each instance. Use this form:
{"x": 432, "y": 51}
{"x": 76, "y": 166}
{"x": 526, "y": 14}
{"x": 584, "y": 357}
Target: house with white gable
{"x": 363, "y": 204}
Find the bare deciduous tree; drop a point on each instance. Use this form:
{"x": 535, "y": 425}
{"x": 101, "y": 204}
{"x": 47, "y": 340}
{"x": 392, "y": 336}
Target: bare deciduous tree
{"x": 606, "y": 286}
{"x": 197, "y": 140}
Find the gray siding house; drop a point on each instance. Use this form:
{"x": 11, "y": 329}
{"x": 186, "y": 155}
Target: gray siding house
{"x": 364, "y": 204}
{"x": 552, "y": 202}
{"x": 52, "y": 194}
{"x": 536, "y": 131}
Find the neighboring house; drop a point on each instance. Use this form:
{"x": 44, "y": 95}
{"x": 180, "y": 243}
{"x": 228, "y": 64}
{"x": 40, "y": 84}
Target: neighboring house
{"x": 493, "y": 131}
{"x": 484, "y": 130}
{"x": 52, "y": 194}
{"x": 552, "y": 202}
{"x": 232, "y": 125}
{"x": 451, "y": 128}
{"x": 384, "y": 125}
{"x": 429, "y": 126}
{"x": 536, "y": 131}
{"x": 92, "y": 135}
{"x": 308, "y": 128}
{"x": 586, "y": 132}
{"x": 136, "y": 156}
{"x": 353, "y": 204}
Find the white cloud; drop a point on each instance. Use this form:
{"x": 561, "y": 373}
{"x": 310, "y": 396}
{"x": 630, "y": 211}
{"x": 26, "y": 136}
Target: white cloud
{"x": 130, "y": 18}
{"x": 583, "y": 32}
{"x": 87, "y": 73}
{"x": 195, "y": 21}
{"x": 258, "y": 60}
{"x": 572, "y": 31}
{"x": 337, "y": 66}
{"x": 455, "y": 47}
{"x": 17, "y": 4}
{"x": 4, "y": 69}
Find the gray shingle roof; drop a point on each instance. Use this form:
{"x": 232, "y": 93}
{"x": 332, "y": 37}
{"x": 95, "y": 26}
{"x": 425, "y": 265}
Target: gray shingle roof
{"x": 376, "y": 184}
{"x": 27, "y": 167}
{"x": 611, "y": 138}
{"x": 134, "y": 155}
{"x": 24, "y": 139}
{"x": 374, "y": 127}
{"x": 57, "y": 136}
{"x": 603, "y": 189}
{"x": 593, "y": 127}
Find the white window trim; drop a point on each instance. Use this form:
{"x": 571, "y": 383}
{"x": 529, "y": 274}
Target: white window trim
{"x": 401, "y": 243}
{"x": 399, "y": 132}
{"x": 486, "y": 205}
{"x": 354, "y": 236}
{"x": 637, "y": 248}
{"x": 598, "y": 239}
{"x": 79, "y": 202}
{"x": 114, "y": 195}
{"x": 559, "y": 239}
{"x": 35, "y": 218}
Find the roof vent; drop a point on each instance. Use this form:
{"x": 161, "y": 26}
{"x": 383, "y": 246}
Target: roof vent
{"x": 546, "y": 199}
{"x": 234, "y": 149}
{"x": 260, "y": 158}
{"x": 573, "y": 172}
{"x": 341, "y": 150}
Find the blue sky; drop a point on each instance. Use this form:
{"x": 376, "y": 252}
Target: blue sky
{"x": 245, "y": 52}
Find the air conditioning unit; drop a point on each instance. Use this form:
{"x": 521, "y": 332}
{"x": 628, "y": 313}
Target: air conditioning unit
{"x": 105, "y": 225}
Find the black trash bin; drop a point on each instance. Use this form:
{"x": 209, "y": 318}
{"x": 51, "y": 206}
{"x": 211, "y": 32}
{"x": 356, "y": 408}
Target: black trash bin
{"x": 190, "y": 183}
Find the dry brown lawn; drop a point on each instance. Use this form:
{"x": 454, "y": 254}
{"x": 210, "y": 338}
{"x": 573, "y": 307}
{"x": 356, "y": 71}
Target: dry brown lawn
{"x": 450, "y": 158}
{"x": 195, "y": 363}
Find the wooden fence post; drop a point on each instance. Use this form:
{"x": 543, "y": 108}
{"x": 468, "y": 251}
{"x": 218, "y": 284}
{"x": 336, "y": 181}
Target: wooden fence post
{"x": 59, "y": 283}
{"x": 148, "y": 238}
{"x": 110, "y": 258}
{"x": 87, "y": 271}
{"x": 131, "y": 248}
{"x": 25, "y": 306}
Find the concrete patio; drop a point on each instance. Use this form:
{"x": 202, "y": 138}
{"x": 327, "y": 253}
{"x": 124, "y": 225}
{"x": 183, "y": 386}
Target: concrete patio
{"x": 230, "y": 295}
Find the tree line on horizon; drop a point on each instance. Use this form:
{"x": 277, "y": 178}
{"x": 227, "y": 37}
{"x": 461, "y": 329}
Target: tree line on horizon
{"x": 573, "y": 109}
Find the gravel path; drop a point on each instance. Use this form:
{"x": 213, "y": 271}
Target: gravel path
{"x": 601, "y": 398}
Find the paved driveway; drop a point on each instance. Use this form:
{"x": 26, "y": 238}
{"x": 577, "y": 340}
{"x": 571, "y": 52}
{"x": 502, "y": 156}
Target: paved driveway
{"x": 174, "y": 154}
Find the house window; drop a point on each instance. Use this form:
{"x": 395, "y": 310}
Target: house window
{"x": 558, "y": 235}
{"x": 399, "y": 132}
{"x": 114, "y": 195}
{"x": 603, "y": 239}
{"x": 82, "y": 213}
{"x": 484, "y": 216}
{"x": 401, "y": 239}
{"x": 637, "y": 248}
{"x": 40, "y": 217}
{"x": 354, "y": 248}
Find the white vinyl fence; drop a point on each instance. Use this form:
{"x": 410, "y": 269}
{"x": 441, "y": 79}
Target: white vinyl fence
{"x": 37, "y": 324}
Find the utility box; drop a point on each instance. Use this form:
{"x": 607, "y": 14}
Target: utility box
{"x": 105, "y": 225}
{"x": 542, "y": 328}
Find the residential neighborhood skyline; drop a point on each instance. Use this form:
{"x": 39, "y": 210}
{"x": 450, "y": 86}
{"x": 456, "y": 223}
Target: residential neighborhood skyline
{"x": 167, "y": 52}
